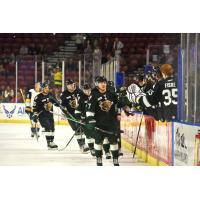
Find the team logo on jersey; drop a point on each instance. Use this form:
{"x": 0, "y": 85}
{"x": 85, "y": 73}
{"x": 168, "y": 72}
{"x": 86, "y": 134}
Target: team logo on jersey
{"x": 74, "y": 103}
{"x": 105, "y": 105}
{"x": 9, "y": 114}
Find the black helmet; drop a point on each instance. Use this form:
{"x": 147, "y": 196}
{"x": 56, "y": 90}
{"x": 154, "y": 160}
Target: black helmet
{"x": 86, "y": 86}
{"x": 45, "y": 84}
{"x": 99, "y": 79}
{"x": 140, "y": 77}
{"x": 69, "y": 82}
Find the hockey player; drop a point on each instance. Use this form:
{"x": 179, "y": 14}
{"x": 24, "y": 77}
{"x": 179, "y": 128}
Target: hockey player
{"x": 30, "y": 96}
{"x": 42, "y": 111}
{"x": 69, "y": 100}
{"x": 164, "y": 92}
{"x": 80, "y": 114}
{"x": 101, "y": 112}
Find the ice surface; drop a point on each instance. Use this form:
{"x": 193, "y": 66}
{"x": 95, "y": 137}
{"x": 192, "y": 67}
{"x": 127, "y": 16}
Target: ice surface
{"x": 17, "y": 148}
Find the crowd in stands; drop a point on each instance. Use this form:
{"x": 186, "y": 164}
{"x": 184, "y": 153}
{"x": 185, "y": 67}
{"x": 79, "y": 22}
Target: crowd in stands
{"x": 103, "y": 47}
{"x": 7, "y": 95}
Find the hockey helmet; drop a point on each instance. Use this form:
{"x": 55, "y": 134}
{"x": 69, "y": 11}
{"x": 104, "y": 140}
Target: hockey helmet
{"x": 69, "y": 82}
{"x": 86, "y": 86}
{"x": 45, "y": 84}
{"x": 100, "y": 79}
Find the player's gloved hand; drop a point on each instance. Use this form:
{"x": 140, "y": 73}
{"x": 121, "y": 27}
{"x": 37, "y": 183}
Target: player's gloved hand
{"x": 64, "y": 110}
{"x": 28, "y": 110}
{"x": 35, "y": 118}
{"x": 138, "y": 97}
{"x": 90, "y": 126}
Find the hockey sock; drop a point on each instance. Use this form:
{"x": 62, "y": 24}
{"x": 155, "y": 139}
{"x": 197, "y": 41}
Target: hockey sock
{"x": 79, "y": 142}
{"x": 106, "y": 148}
{"x": 98, "y": 153}
{"x": 115, "y": 154}
{"x": 33, "y": 130}
{"x": 52, "y": 138}
{"x": 48, "y": 139}
{"x": 82, "y": 141}
{"x": 91, "y": 145}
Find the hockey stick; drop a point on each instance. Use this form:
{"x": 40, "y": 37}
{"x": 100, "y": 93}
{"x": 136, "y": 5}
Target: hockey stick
{"x": 68, "y": 142}
{"x": 74, "y": 120}
{"x": 137, "y": 137}
{"x": 23, "y": 97}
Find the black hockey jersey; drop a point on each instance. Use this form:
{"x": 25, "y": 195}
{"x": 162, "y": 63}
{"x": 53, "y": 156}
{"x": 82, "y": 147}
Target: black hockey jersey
{"x": 80, "y": 112}
{"x": 70, "y": 100}
{"x": 41, "y": 101}
{"x": 102, "y": 109}
{"x": 165, "y": 92}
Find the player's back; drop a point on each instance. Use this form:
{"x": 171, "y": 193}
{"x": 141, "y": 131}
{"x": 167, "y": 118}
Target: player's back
{"x": 169, "y": 98}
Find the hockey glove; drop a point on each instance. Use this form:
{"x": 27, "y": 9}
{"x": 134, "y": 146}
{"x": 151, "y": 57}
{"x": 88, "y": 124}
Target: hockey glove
{"x": 90, "y": 127}
{"x": 35, "y": 118}
{"x": 28, "y": 110}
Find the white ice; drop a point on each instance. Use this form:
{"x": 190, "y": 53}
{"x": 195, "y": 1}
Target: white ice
{"x": 17, "y": 148}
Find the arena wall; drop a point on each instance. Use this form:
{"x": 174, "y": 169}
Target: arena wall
{"x": 159, "y": 143}
{"x": 15, "y": 113}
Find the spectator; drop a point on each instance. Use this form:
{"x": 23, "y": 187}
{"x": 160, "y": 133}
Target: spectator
{"x": 117, "y": 47}
{"x": 109, "y": 56}
{"x": 8, "y": 94}
{"x": 57, "y": 77}
{"x": 79, "y": 41}
{"x": 50, "y": 74}
{"x": 2, "y": 93}
{"x": 12, "y": 58}
{"x": 71, "y": 65}
{"x": 31, "y": 49}
{"x": 2, "y": 70}
{"x": 95, "y": 44}
{"x": 18, "y": 100}
{"x": 107, "y": 47}
{"x": 97, "y": 54}
{"x": 23, "y": 50}
{"x": 88, "y": 49}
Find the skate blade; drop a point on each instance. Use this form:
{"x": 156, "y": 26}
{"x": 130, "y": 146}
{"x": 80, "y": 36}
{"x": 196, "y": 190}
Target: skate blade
{"x": 52, "y": 149}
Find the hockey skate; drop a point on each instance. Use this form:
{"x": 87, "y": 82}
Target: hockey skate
{"x": 92, "y": 151}
{"x": 115, "y": 162}
{"x": 108, "y": 156}
{"x": 84, "y": 148}
{"x": 99, "y": 161}
{"x": 120, "y": 153}
{"x": 32, "y": 135}
{"x": 52, "y": 146}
